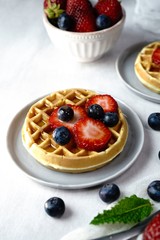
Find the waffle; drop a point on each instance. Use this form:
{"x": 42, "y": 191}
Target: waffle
{"x": 148, "y": 72}
{"x": 37, "y": 136}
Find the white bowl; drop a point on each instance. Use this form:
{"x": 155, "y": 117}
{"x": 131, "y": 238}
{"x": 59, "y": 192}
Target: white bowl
{"x": 84, "y": 47}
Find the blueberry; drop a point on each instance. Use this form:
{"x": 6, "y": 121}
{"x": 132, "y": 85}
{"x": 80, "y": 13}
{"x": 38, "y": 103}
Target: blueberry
{"x": 61, "y": 135}
{"x": 154, "y": 121}
{"x": 109, "y": 192}
{"x": 54, "y": 207}
{"x": 65, "y": 113}
{"x": 64, "y": 21}
{"x": 102, "y": 22}
{"x": 95, "y": 111}
{"x": 110, "y": 119}
{"x": 153, "y": 190}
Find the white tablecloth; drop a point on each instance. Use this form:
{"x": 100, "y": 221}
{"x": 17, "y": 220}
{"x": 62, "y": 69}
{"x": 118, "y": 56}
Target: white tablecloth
{"x": 31, "y": 67}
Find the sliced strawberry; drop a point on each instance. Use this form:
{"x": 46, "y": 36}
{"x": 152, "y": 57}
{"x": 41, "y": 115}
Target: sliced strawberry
{"x": 152, "y": 231}
{"x": 79, "y": 113}
{"x": 111, "y": 8}
{"x": 91, "y": 134}
{"x": 107, "y": 102}
{"x": 156, "y": 56}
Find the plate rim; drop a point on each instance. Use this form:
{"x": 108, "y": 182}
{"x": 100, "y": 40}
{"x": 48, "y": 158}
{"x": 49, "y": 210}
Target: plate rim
{"x": 80, "y": 185}
{"x": 118, "y": 63}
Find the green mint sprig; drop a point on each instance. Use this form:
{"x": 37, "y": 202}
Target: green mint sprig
{"x": 128, "y": 210}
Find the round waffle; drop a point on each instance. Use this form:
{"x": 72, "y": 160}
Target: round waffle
{"x": 147, "y": 71}
{"x": 38, "y": 140}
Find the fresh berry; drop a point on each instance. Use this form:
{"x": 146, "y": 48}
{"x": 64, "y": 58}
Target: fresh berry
{"x": 111, "y": 8}
{"x": 110, "y": 119}
{"x": 107, "y": 102}
{"x": 79, "y": 113}
{"x": 61, "y": 135}
{"x": 95, "y": 111}
{"x": 82, "y": 14}
{"x": 153, "y": 190}
{"x": 64, "y": 22}
{"x": 91, "y": 134}
{"x": 53, "y": 9}
{"x": 49, "y": 3}
{"x": 65, "y": 113}
{"x": 103, "y": 22}
{"x": 154, "y": 121}
{"x": 54, "y": 207}
{"x": 156, "y": 56}
{"x": 109, "y": 192}
{"x": 152, "y": 231}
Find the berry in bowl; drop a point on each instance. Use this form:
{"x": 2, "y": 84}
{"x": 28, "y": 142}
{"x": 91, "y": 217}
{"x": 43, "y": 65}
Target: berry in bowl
{"x": 83, "y": 30}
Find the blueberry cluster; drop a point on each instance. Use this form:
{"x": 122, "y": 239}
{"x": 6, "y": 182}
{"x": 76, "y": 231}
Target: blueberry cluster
{"x": 62, "y": 135}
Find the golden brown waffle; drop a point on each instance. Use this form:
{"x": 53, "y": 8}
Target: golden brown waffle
{"x": 37, "y": 136}
{"x": 148, "y": 72}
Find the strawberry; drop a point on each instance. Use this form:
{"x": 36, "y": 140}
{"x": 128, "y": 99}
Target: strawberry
{"x": 156, "y": 56}
{"x": 82, "y": 14}
{"x": 107, "y": 102}
{"x": 111, "y": 8}
{"x": 48, "y": 3}
{"x": 152, "y": 231}
{"x": 91, "y": 134}
{"x": 54, "y": 8}
{"x": 79, "y": 113}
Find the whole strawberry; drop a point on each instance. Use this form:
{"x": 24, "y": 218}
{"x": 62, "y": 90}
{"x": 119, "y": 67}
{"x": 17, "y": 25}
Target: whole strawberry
{"x": 54, "y": 8}
{"x": 152, "y": 231}
{"x": 82, "y": 14}
{"x": 111, "y": 8}
{"x": 62, "y": 3}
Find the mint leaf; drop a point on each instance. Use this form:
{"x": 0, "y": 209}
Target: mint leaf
{"x": 128, "y": 210}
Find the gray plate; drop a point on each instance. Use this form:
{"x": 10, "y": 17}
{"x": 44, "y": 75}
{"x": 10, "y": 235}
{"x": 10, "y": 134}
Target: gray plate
{"x": 43, "y": 175}
{"x": 125, "y": 69}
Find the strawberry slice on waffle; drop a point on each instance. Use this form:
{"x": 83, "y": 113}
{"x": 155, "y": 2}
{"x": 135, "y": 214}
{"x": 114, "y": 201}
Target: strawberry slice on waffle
{"x": 91, "y": 135}
{"x": 55, "y": 122}
{"x": 107, "y": 102}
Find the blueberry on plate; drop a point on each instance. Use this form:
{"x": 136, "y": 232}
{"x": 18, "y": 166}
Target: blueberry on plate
{"x": 65, "y": 113}
{"x": 154, "y": 120}
{"x": 109, "y": 192}
{"x": 54, "y": 207}
{"x": 61, "y": 135}
{"x": 64, "y": 22}
{"x": 103, "y": 22}
{"x": 110, "y": 119}
{"x": 153, "y": 190}
{"x": 95, "y": 111}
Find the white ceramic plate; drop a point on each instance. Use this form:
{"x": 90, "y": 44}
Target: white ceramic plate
{"x": 125, "y": 69}
{"x": 41, "y": 174}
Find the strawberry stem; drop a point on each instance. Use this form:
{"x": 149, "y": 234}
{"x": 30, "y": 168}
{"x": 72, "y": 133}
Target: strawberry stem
{"x": 53, "y": 10}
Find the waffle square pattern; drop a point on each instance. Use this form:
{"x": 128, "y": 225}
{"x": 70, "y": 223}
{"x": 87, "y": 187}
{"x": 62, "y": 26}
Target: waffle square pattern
{"x": 38, "y": 140}
{"x": 146, "y": 70}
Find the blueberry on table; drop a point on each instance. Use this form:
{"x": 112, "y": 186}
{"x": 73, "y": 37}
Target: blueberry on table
{"x": 103, "y": 22}
{"x": 110, "y": 119}
{"x": 61, "y": 135}
{"x": 95, "y": 111}
{"x": 54, "y": 207}
{"x": 109, "y": 192}
{"x": 153, "y": 190}
{"x": 154, "y": 120}
{"x": 65, "y": 113}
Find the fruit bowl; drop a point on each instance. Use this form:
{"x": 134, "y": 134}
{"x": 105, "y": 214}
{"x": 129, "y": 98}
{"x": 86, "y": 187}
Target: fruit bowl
{"x": 84, "y": 47}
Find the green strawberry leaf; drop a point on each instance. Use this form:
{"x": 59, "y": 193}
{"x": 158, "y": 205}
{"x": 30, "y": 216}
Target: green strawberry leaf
{"x": 128, "y": 210}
